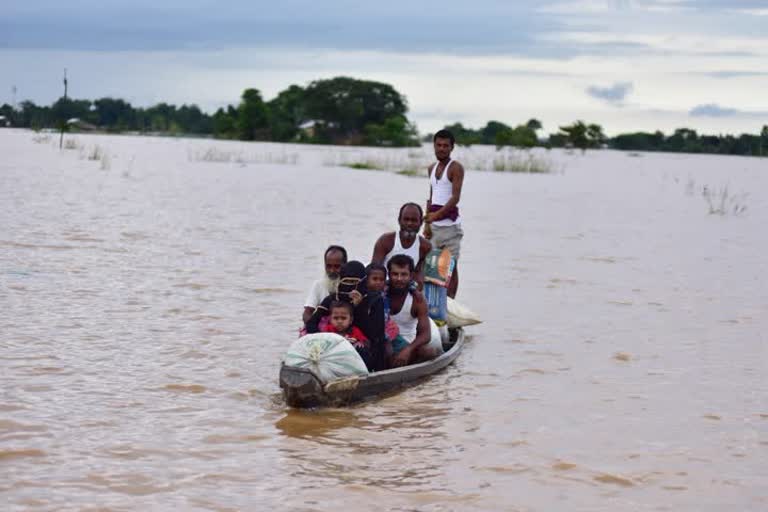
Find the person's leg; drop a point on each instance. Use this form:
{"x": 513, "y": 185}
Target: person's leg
{"x": 424, "y": 353}
{"x": 454, "y": 245}
{"x": 453, "y": 286}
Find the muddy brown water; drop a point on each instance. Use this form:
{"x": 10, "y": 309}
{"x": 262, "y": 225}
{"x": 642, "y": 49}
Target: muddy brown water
{"x": 146, "y": 299}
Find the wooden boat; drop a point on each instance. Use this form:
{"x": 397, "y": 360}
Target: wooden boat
{"x": 303, "y": 389}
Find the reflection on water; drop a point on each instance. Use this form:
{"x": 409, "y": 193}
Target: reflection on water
{"x": 144, "y": 311}
{"x": 317, "y": 424}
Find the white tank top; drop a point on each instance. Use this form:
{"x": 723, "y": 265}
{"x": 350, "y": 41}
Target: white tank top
{"x": 405, "y": 321}
{"x": 442, "y": 190}
{"x": 397, "y": 248}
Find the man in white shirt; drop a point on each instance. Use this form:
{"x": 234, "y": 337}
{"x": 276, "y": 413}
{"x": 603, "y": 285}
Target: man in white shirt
{"x": 335, "y": 256}
{"x": 408, "y": 308}
{"x": 405, "y": 241}
{"x": 442, "y": 224}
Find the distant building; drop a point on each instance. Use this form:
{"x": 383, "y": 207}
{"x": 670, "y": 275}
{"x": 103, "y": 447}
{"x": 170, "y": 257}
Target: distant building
{"x": 4, "y": 122}
{"x": 308, "y": 128}
{"x": 79, "y": 124}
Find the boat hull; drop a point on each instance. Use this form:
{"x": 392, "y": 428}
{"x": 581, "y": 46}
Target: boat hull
{"x": 303, "y": 389}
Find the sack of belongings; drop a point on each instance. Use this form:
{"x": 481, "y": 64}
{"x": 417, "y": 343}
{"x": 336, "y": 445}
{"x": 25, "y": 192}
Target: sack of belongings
{"x": 460, "y": 315}
{"x": 329, "y": 355}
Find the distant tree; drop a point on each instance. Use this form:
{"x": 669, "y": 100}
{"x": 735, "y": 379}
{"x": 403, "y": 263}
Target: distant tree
{"x": 534, "y": 124}
{"x": 342, "y": 107}
{"x": 684, "y": 139}
{"x": 252, "y": 117}
{"x": 192, "y": 120}
{"x": 489, "y": 133}
{"x": 576, "y": 135}
{"x": 287, "y": 112}
{"x": 464, "y": 136}
{"x": 764, "y": 140}
{"x": 9, "y": 113}
{"x": 395, "y": 131}
{"x": 224, "y": 123}
{"x": 595, "y": 135}
{"x": 64, "y": 109}
{"x": 33, "y": 116}
{"x": 114, "y": 114}
{"x": 160, "y": 117}
{"x": 521, "y": 136}
{"x": 556, "y": 140}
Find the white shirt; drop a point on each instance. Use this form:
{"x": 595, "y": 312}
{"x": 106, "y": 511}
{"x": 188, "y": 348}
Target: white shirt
{"x": 397, "y": 248}
{"x": 316, "y": 294}
{"x": 405, "y": 320}
{"x": 442, "y": 190}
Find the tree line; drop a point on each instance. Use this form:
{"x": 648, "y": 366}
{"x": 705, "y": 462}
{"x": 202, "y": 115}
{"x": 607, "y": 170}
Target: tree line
{"x": 345, "y": 110}
{"x": 340, "y": 110}
{"x": 581, "y": 135}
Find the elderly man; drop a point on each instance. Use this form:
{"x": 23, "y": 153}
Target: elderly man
{"x": 335, "y": 256}
{"x": 408, "y": 308}
{"x": 405, "y": 241}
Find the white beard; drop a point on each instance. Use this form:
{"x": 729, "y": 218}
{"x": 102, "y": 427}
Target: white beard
{"x": 330, "y": 284}
{"x": 408, "y": 235}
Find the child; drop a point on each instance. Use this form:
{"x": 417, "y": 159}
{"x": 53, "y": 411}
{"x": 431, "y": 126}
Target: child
{"x": 341, "y": 316}
{"x": 350, "y": 284}
{"x": 377, "y": 277}
{"x": 376, "y": 283}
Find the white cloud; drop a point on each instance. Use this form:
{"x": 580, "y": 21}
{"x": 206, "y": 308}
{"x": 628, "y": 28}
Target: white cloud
{"x": 462, "y": 62}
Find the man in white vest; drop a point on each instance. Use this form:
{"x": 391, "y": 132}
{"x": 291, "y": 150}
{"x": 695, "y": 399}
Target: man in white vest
{"x": 408, "y": 308}
{"x": 443, "y": 222}
{"x": 405, "y": 241}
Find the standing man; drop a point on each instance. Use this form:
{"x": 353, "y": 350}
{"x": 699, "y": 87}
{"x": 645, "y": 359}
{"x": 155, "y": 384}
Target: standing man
{"x": 443, "y": 222}
{"x": 335, "y": 256}
{"x": 406, "y": 241}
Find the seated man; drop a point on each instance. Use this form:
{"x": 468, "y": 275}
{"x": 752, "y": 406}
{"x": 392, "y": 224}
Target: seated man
{"x": 335, "y": 257}
{"x": 405, "y": 241}
{"x": 409, "y": 311}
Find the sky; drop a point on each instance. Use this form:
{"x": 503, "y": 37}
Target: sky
{"x": 625, "y": 64}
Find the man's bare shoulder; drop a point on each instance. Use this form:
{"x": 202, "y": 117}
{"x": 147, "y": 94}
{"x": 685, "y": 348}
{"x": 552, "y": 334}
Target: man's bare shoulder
{"x": 383, "y": 245}
{"x": 387, "y": 238}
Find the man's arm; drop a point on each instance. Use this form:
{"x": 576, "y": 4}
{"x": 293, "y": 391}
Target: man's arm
{"x": 424, "y": 248}
{"x": 383, "y": 245}
{"x": 313, "y": 299}
{"x": 423, "y": 330}
{"x": 457, "y": 180}
{"x": 420, "y": 311}
{"x": 427, "y": 221}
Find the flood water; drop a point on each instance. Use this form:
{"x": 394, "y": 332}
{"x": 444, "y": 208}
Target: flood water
{"x": 149, "y": 288}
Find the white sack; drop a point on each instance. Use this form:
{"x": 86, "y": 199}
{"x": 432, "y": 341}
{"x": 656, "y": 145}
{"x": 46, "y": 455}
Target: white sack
{"x": 327, "y": 354}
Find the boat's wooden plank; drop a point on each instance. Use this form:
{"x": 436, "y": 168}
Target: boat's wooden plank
{"x": 301, "y": 387}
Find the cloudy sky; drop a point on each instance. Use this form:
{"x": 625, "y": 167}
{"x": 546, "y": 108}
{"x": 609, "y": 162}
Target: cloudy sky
{"x": 625, "y": 64}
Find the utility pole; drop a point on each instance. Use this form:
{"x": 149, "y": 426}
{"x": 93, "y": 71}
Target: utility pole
{"x": 64, "y": 122}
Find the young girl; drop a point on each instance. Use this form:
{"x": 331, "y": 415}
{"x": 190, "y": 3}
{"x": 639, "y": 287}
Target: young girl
{"x": 341, "y": 316}
{"x": 376, "y": 283}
